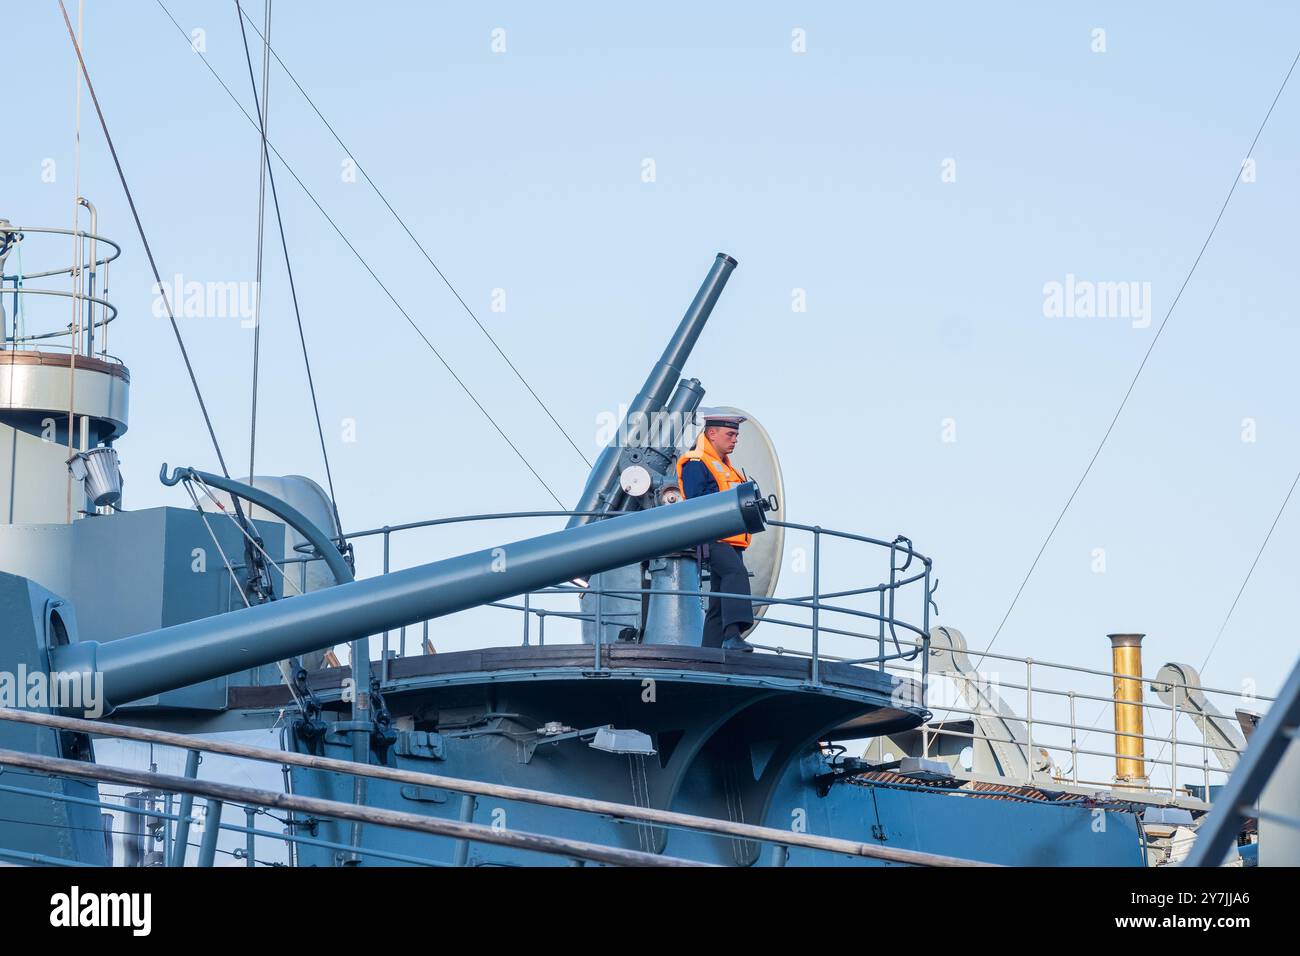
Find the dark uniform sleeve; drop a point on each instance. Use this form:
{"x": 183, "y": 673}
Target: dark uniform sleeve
{"x": 697, "y": 480}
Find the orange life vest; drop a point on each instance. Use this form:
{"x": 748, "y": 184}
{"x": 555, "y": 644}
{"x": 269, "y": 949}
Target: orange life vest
{"x": 723, "y": 473}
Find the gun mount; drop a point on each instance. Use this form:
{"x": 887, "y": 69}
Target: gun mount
{"x": 603, "y": 491}
{"x": 172, "y": 657}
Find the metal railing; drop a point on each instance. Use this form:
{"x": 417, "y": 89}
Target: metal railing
{"x": 86, "y": 293}
{"x": 1052, "y": 725}
{"x": 810, "y": 619}
{"x": 825, "y": 627}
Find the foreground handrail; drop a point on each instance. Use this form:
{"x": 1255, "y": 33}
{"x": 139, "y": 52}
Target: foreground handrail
{"x": 233, "y": 793}
{"x": 483, "y": 788}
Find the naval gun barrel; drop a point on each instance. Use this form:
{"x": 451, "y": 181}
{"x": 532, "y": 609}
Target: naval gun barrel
{"x": 146, "y": 664}
{"x": 654, "y": 394}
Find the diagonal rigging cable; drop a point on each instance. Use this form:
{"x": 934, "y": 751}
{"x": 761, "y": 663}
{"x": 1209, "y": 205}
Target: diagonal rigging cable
{"x": 254, "y": 580}
{"x": 1258, "y": 554}
{"x": 424, "y": 252}
{"x": 1124, "y": 401}
{"x": 1136, "y": 375}
{"x": 261, "y": 217}
{"x": 288, "y": 267}
{"x": 406, "y": 315}
{"x": 144, "y": 241}
{"x": 1228, "y": 617}
{"x": 203, "y": 515}
{"x": 1240, "y": 591}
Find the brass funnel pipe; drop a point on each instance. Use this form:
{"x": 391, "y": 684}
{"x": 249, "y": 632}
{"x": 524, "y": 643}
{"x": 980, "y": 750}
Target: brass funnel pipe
{"x": 1126, "y": 664}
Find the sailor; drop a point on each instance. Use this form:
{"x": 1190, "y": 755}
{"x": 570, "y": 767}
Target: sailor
{"x": 704, "y": 470}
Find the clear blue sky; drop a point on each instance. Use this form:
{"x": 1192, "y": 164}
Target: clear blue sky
{"x": 819, "y": 171}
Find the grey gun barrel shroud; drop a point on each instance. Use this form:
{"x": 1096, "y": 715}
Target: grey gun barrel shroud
{"x": 146, "y": 664}
{"x": 602, "y": 483}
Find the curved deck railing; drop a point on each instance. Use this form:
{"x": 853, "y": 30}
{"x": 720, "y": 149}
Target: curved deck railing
{"x": 85, "y": 293}
{"x": 809, "y": 618}
{"x": 1045, "y": 698}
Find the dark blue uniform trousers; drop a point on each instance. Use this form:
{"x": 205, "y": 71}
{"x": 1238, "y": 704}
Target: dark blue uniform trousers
{"x": 728, "y": 575}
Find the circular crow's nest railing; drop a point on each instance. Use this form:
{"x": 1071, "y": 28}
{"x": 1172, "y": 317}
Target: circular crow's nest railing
{"x": 87, "y": 332}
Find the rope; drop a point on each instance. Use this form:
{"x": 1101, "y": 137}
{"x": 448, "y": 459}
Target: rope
{"x": 261, "y": 213}
{"x": 1136, "y": 375}
{"x": 283, "y": 666}
{"x": 242, "y": 530}
{"x": 1258, "y": 554}
{"x": 351, "y": 248}
{"x": 216, "y": 544}
{"x": 1240, "y": 591}
{"x": 139, "y": 226}
{"x": 293, "y": 289}
{"x": 77, "y": 254}
{"x": 424, "y": 252}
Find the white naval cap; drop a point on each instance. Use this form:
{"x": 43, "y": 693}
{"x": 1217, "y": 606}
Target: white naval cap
{"x": 721, "y": 419}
